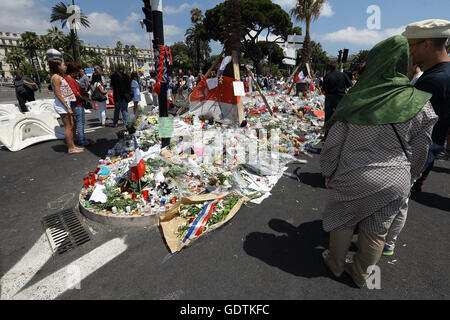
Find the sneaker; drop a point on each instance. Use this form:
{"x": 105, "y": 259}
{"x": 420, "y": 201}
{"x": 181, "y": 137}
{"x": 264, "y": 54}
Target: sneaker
{"x": 325, "y": 254}
{"x": 442, "y": 155}
{"x": 387, "y": 252}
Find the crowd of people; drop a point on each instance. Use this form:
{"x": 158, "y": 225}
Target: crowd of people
{"x": 385, "y": 125}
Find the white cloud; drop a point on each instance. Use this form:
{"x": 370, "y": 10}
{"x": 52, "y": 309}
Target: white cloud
{"x": 23, "y": 15}
{"x": 177, "y": 10}
{"x": 285, "y": 3}
{"x": 360, "y": 36}
{"x": 326, "y": 10}
{"x": 102, "y": 24}
{"x": 172, "y": 30}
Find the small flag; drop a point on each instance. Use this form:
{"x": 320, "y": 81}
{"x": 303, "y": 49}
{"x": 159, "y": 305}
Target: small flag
{"x": 137, "y": 166}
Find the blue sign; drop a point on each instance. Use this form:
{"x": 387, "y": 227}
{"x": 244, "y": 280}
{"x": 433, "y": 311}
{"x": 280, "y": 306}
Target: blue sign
{"x": 89, "y": 70}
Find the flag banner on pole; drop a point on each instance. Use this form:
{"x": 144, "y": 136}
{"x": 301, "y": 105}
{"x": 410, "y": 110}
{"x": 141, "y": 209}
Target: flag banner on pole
{"x": 218, "y": 102}
{"x": 137, "y": 166}
{"x": 301, "y": 77}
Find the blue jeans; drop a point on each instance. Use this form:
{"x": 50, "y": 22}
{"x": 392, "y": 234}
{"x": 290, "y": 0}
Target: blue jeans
{"x": 79, "y": 119}
{"x": 120, "y": 106}
{"x": 435, "y": 148}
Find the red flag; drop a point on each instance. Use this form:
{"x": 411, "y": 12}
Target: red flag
{"x": 138, "y": 166}
{"x": 138, "y": 172}
{"x": 218, "y": 102}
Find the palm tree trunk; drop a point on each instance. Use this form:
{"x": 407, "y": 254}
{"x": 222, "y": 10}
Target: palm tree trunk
{"x": 306, "y": 51}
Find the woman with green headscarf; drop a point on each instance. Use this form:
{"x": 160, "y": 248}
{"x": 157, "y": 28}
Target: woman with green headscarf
{"x": 376, "y": 147}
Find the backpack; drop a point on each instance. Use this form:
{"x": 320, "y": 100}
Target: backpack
{"x": 98, "y": 96}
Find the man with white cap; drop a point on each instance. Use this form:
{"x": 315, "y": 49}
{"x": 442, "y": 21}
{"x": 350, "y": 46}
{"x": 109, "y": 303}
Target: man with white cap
{"x": 427, "y": 41}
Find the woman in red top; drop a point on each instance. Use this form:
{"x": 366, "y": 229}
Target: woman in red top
{"x": 73, "y": 71}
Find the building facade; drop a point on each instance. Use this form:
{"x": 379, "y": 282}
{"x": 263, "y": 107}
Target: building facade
{"x": 143, "y": 62}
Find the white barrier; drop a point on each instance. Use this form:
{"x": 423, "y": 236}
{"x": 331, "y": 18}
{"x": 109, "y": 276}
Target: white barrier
{"x": 7, "y": 109}
{"x": 20, "y": 130}
{"x": 42, "y": 106}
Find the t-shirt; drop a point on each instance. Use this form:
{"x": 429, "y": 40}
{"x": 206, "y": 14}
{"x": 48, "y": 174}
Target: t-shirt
{"x": 20, "y": 85}
{"x": 190, "y": 82}
{"x": 77, "y": 91}
{"x": 416, "y": 77}
{"x": 136, "y": 90}
{"x": 336, "y": 82}
{"x": 437, "y": 82}
{"x": 121, "y": 85}
{"x": 84, "y": 82}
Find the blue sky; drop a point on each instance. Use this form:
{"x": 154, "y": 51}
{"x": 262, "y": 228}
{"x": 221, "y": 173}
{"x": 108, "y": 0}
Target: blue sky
{"x": 343, "y": 23}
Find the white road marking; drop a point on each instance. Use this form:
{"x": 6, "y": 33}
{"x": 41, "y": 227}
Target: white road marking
{"x": 19, "y": 275}
{"x": 66, "y": 278}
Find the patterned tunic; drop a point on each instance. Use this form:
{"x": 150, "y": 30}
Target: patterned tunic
{"x": 370, "y": 175}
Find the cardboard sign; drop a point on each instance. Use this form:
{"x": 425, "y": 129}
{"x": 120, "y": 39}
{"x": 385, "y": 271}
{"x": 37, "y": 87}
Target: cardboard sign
{"x": 165, "y": 127}
{"x": 239, "y": 90}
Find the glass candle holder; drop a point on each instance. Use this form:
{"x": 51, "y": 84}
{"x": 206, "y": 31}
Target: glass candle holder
{"x": 86, "y": 182}
{"x": 93, "y": 180}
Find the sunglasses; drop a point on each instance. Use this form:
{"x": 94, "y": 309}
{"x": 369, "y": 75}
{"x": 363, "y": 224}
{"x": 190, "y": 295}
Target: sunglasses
{"x": 416, "y": 43}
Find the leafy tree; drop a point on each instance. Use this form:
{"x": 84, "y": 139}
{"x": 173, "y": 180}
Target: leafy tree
{"x": 60, "y": 13}
{"x": 16, "y": 57}
{"x": 91, "y": 58}
{"x": 55, "y": 38}
{"x": 361, "y": 56}
{"x": 307, "y": 11}
{"x": 30, "y": 42}
{"x": 181, "y": 55}
{"x": 259, "y": 18}
{"x": 194, "y": 39}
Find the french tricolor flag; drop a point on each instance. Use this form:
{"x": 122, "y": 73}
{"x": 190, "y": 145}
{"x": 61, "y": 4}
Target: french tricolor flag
{"x": 201, "y": 221}
{"x": 138, "y": 164}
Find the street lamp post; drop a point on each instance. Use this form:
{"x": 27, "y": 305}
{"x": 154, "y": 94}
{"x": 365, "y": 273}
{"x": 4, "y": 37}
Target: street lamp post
{"x": 158, "y": 35}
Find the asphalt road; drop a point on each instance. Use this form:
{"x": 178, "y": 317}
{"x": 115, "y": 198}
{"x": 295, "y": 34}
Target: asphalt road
{"x": 8, "y": 95}
{"x": 270, "y": 251}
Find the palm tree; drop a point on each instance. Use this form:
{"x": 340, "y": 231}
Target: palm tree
{"x": 307, "y": 11}
{"x": 119, "y": 49}
{"x": 126, "y": 54}
{"x": 30, "y": 42}
{"x": 16, "y": 57}
{"x": 56, "y": 37}
{"x": 59, "y": 13}
{"x": 194, "y": 34}
{"x": 196, "y": 15}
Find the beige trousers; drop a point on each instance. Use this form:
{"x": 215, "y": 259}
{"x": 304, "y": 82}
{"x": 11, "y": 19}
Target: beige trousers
{"x": 370, "y": 248}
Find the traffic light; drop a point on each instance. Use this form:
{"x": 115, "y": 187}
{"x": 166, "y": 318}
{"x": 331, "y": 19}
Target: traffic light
{"x": 148, "y": 21}
{"x": 345, "y": 56}
{"x": 340, "y": 57}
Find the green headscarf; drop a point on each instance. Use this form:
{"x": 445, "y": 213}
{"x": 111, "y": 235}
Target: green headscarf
{"x": 384, "y": 94}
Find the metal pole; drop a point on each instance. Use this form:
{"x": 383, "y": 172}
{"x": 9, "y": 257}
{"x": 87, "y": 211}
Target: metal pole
{"x": 158, "y": 33}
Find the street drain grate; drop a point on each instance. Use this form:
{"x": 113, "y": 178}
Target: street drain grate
{"x": 64, "y": 231}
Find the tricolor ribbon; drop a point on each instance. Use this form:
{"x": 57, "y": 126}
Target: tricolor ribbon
{"x": 201, "y": 221}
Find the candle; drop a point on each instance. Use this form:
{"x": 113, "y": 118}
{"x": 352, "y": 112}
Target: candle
{"x": 145, "y": 194}
{"x": 86, "y": 182}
